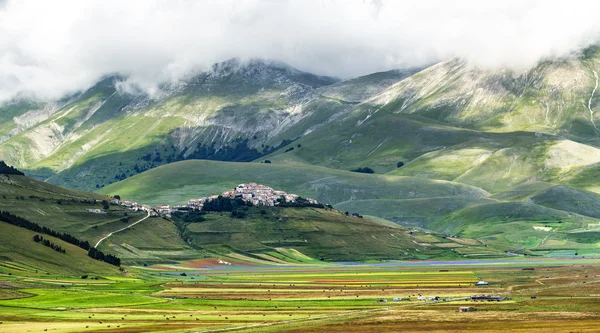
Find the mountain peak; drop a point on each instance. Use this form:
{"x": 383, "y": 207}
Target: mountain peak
{"x": 262, "y": 71}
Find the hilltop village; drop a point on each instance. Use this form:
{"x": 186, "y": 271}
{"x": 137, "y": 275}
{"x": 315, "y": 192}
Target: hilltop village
{"x": 250, "y": 193}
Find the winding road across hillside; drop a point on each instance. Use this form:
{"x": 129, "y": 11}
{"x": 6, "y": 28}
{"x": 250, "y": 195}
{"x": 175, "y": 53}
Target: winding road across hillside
{"x": 114, "y": 232}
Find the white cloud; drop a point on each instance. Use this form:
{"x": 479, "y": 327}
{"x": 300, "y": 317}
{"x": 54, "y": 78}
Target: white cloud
{"x": 54, "y": 47}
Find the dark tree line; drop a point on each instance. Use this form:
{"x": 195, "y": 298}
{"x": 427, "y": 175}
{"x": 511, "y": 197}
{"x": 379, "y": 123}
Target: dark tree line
{"x": 9, "y": 170}
{"x": 24, "y": 223}
{"x": 363, "y": 170}
{"x": 45, "y": 242}
{"x": 107, "y": 258}
{"x": 222, "y": 204}
{"x": 92, "y": 252}
{"x": 236, "y": 206}
{"x": 74, "y": 201}
{"x": 190, "y": 216}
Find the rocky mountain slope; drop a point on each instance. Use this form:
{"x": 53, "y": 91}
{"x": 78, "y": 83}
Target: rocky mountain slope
{"x": 235, "y": 111}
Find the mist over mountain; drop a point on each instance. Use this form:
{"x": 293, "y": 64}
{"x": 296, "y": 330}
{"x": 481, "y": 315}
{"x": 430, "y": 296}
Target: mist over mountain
{"x": 53, "y": 49}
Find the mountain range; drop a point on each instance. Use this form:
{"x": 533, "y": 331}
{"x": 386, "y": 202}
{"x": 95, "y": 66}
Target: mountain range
{"x": 454, "y": 148}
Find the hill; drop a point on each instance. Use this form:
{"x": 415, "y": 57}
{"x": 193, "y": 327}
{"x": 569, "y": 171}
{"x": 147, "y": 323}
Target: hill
{"x": 61, "y": 209}
{"x": 305, "y": 235}
{"x": 521, "y": 217}
{"x": 181, "y": 181}
{"x": 265, "y": 235}
{"x": 20, "y": 255}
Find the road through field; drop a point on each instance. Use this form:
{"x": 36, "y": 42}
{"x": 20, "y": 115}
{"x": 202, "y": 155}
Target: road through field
{"x": 127, "y": 227}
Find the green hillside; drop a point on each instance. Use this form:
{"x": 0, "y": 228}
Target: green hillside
{"x": 266, "y": 235}
{"x": 518, "y": 218}
{"x": 157, "y": 240}
{"x": 569, "y": 199}
{"x": 179, "y": 182}
{"x": 274, "y": 234}
{"x": 412, "y": 212}
{"x": 61, "y": 209}
{"x": 10, "y": 117}
{"x": 20, "y": 255}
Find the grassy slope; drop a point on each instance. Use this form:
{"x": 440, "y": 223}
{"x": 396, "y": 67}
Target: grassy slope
{"x": 364, "y": 87}
{"x": 488, "y": 129}
{"x": 9, "y": 111}
{"x": 495, "y": 168}
{"x": 415, "y": 212}
{"x": 507, "y": 217}
{"x": 155, "y": 240}
{"x": 178, "y": 182}
{"x": 317, "y": 233}
{"x": 38, "y": 202}
{"x": 372, "y": 136}
{"x": 570, "y": 199}
{"x": 17, "y": 246}
{"x": 514, "y": 224}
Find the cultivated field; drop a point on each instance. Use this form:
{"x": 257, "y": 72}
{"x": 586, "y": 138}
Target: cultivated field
{"x": 333, "y": 298}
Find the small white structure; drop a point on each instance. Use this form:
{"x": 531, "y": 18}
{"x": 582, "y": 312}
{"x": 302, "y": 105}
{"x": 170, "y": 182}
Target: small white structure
{"x": 163, "y": 209}
{"x": 96, "y": 211}
{"x": 481, "y": 284}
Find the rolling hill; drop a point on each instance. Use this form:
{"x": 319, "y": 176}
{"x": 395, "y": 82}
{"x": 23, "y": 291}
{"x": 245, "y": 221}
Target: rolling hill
{"x": 61, "y": 209}
{"x": 523, "y": 217}
{"x": 266, "y": 235}
{"x": 20, "y": 254}
{"x": 176, "y": 183}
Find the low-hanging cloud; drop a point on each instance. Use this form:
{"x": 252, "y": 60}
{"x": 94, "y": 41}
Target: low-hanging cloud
{"x": 51, "y": 48}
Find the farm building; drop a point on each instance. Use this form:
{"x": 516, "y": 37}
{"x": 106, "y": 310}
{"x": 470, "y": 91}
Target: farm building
{"x": 481, "y": 284}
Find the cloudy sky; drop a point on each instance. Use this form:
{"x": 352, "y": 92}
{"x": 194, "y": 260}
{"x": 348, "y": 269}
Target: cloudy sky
{"x": 50, "y": 48}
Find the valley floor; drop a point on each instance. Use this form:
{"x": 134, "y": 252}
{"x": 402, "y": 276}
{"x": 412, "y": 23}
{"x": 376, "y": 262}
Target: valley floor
{"x": 537, "y": 296}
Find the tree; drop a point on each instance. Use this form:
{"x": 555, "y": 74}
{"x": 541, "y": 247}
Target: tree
{"x": 105, "y": 204}
{"x": 399, "y": 164}
{"x": 363, "y": 170}
{"x": 268, "y": 161}
{"x": 9, "y": 170}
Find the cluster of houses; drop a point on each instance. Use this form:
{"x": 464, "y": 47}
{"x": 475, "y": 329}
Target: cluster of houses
{"x": 257, "y": 194}
{"x": 134, "y": 206}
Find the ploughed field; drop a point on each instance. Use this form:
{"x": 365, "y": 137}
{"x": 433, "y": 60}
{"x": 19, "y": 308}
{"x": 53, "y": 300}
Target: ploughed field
{"x": 333, "y": 298}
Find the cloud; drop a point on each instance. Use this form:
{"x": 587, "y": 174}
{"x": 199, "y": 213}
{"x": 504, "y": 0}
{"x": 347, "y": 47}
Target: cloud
{"x": 50, "y": 48}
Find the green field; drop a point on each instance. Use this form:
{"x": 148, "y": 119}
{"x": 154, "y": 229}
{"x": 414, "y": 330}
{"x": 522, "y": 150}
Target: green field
{"x": 307, "y": 298}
